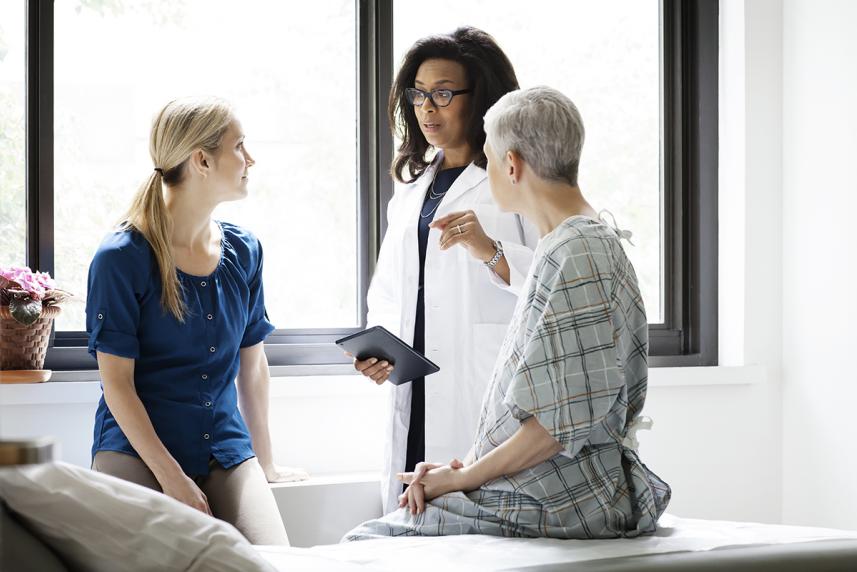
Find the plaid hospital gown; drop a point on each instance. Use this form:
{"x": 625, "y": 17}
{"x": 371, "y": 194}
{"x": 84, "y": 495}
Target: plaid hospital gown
{"x": 575, "y": 358}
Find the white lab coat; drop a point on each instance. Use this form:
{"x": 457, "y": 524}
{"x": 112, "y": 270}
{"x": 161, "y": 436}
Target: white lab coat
{"x": 467, "y": 310}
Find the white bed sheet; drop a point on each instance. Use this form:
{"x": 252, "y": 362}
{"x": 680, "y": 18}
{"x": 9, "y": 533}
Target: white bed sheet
{"x": 478, "y": 552}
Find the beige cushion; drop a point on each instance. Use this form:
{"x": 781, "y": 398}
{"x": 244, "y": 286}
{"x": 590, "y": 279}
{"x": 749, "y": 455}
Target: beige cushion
{"x": 98, "y": 522}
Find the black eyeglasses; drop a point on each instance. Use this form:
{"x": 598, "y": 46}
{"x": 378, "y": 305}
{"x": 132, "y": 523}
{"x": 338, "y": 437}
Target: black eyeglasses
{"x": 438, "y": 97}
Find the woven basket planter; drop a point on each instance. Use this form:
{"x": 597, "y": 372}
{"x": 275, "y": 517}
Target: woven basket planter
{"x": 24, "y": 347}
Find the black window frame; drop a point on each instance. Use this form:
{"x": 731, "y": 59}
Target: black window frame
{"x": 688, "y": 335}
{"x": 690, "y": 59}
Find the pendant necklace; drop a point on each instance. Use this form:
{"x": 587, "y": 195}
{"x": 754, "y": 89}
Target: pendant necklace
{"x": 432, "y": 196}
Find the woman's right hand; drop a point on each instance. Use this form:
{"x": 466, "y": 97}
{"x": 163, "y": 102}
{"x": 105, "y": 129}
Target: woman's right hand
{"x": 375, "y": 369}
{"x": 183, "y": 489}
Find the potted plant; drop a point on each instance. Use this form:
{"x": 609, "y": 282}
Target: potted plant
{"x": 29, "y": 302}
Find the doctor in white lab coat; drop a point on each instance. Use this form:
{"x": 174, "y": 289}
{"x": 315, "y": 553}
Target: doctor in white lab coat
{"x": 475, "y": 256}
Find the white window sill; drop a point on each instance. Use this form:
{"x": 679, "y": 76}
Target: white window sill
{"x": 707, "y": 376}
{"x": 331, "y": 480}
{"x": 86, "y": 388}
{"x": 64, "y": 393}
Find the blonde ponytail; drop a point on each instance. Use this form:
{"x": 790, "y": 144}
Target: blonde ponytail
{"x": 182, "y": 127}
{"x": 148, "y": 215}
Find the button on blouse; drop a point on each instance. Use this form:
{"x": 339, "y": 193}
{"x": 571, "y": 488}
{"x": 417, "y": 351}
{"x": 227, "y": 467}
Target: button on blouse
{"x": 184, "y": 372}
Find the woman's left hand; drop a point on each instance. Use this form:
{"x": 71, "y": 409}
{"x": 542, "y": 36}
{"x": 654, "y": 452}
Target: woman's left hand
{"x": 429, "y": 481}
{"x": 464, "y": 228}
{"x": 277, "y": 474}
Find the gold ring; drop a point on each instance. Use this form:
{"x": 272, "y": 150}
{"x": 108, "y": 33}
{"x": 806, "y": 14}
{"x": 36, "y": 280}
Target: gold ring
{"x": 458, "y": 226}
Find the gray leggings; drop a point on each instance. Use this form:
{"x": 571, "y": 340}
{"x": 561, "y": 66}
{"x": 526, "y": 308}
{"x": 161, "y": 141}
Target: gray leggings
{"x": 239, "y": 495}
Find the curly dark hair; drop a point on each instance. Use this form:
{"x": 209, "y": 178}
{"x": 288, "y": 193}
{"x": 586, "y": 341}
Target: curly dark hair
{"x": 489, "y": 73}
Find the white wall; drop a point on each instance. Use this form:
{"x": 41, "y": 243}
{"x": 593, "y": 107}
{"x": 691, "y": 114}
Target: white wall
{"x": 819, "y": 270}
{"x": 64, "y": 411}
{"x": 717, "y": 468}
{"x": 325, "y": 424}
{"x": 719, "y": 444}
{"x": 330, "y": 425}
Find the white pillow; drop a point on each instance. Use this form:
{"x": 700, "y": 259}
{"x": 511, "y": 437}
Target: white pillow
{"x": 98, "y": 522}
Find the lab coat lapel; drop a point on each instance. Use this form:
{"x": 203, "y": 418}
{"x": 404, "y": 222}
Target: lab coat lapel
{"x": 418, "y": 191}
{"x": 466, "y": 181}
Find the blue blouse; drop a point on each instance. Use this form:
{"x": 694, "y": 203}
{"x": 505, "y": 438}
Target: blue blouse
{"x": 183, "y": 373}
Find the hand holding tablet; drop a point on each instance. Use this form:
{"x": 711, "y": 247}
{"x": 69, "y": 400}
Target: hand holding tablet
{"x": 377, "y": 342}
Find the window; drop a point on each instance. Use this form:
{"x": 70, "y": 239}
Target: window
{"x": 605, "y": 57}
{"x": 290, "y": 109}
{"x": 689, "y": 49}
{"x": 310, "y": 86}
{"x": 644, "y": 76}
{"x": 94, "y": 109}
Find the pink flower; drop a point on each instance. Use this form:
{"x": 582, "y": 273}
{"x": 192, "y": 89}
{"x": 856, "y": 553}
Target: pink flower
{"x": 36, "y": 283}
{"x": 46, "y": 281}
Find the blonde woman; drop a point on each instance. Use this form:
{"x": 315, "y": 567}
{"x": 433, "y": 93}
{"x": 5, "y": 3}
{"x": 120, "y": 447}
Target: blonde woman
{"x": 175, "y": 313}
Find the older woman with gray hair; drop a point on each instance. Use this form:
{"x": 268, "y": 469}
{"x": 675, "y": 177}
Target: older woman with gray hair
{"x": 554, "y": 454}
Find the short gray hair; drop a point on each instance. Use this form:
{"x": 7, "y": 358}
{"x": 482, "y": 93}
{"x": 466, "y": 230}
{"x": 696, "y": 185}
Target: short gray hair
{"x": 543, "y": 126}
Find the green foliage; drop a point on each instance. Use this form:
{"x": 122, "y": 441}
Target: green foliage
{"x": 25, "y": 310}
{"x": 159, "y": 11}
{"x": 102, "y": 7}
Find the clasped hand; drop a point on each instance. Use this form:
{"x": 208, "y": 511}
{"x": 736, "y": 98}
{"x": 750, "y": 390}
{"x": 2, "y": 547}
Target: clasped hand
{"x": 429, "y": 481}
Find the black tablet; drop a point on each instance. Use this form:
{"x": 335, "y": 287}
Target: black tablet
{"x": 408, "y": 364}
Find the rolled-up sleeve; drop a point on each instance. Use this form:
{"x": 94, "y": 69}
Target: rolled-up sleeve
{"x": 258, "y": 326}
{"x": 113, "y": 304}
{"x": 518, "y": 252}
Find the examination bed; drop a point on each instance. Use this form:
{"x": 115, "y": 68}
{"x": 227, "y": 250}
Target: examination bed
{"x": 680, "y": 544}
{"x": 55, "y": 516}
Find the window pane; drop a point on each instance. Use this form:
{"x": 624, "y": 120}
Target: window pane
{"x": 118, "y": 62}
{"x": 605, "y": 57}
{"x": 13, "y": 212}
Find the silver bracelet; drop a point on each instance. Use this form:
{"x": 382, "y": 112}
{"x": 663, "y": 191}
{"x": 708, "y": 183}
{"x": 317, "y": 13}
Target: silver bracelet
{"x": 497, "y": 255}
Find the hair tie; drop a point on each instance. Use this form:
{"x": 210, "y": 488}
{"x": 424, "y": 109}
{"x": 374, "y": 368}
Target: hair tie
{"x": 159, "y": 170}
